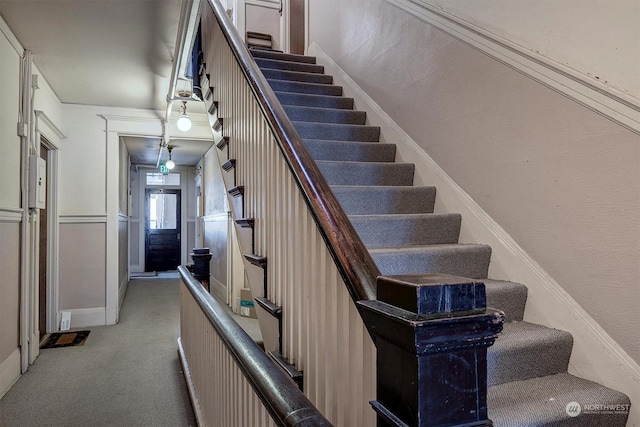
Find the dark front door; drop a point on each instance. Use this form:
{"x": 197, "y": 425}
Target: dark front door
{"x": 162, "y": 231}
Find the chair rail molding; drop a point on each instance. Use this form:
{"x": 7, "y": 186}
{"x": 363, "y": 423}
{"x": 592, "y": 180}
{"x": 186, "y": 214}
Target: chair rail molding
{"x": 10, "y": 215}
{"x": 611, "y": 103}
{"x": 81, "y": 219}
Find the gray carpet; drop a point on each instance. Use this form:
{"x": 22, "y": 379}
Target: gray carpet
{"x": 527, "y": 367}
{"x": 125, "y": 375}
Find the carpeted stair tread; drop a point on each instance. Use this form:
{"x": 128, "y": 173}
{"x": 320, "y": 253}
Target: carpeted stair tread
{"x": 276, "y": 64}
{"x": 407, "y": 229}
{"x": 543, "y": 402}
{"x": 337, "y": 132}
{"x": 305, "y": 88}
{"x": 356, "y": 200}
{"x": 309, "y": 100}
{"x": 509, "y": 297}
{"x": 366, "y": 173}
{"x": 351, "y": 151}
{"x": 259, "y": 53}
{"x": 525, "y": 350}
{"x": 297, "y": 76}
{"x": 325, "y": 115}
{"x": 526, "y": 367}
{"x": 466, "y": 260}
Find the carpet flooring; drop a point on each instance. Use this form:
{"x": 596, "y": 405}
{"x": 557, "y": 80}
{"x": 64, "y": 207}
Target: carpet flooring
{"x": 128, "y": 374}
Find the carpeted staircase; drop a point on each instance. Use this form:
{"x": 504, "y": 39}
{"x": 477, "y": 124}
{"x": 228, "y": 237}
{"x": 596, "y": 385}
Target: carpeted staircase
{"x": 527, "y": 367}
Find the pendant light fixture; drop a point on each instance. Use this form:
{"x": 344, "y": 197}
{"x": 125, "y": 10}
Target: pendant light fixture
{"x": 184, "y": 122}
{"x": 170, "y": 163}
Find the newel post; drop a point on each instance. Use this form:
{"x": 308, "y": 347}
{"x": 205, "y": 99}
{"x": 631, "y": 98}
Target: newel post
{"x": 200, "y": 268}
{"x": 431, "y": 333}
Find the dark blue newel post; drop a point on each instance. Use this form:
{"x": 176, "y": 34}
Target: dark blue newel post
{"x": 200, "y": 267}
{"x": 431, "y": 333}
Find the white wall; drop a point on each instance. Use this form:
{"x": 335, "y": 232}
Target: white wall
{"x": 83, "y": 216}
{"x": 123, "y": 219}
{"x": 93, "y": 205}
{"x": 83, "y": 173}
{"x": 600, "y": 38}
{"x": 9, "y": 140}
{"x": 561, "y": 179}
{"x": 264, "y": 20}
{"x": 11, "y": 232}
{"x": 10, "y": 217}
{"x": 216, "y": 222}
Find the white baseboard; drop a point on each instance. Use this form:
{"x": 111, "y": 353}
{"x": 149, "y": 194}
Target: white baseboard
{"x": 596, "y": 356}
{"x": 85, "y": 317}
{"x": 111, "y": 315}
{"x": 9, "y": 372}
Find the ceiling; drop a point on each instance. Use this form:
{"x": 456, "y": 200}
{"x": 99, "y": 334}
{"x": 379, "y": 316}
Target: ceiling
{"x": 114, "y": 53}
{"x": 186, "y": 152}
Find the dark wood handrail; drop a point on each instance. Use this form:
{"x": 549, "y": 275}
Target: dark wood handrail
{"x": 357, "y": 268}
{"x": 283, "y": 399}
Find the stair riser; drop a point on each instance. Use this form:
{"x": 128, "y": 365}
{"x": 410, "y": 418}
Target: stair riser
{"x": 461, "y": 261}
{"x": 273, "y": 64}
{"x": 539, "y": 357}
{"x": 427, "y": 230}
{"x": 509, "y": 297}
{"x": 297, "y": 76}
{"x": 341, "y": 173}
{"x": 325, "y": 115}
{"x": 305, "y": 88}
{"x": 351, "y": 151}
{"x": 283, "y": 56}
{"x": 398, "y": 200}
{"x": 334, "y": 132}
{"x": 319, "y": 101}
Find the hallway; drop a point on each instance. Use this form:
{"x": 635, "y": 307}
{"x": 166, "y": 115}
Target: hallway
{"x": 125, "y": 375}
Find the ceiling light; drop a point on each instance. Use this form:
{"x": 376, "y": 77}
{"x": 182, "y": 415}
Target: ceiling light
{"x": 170, "y": 163}
{"x": 184, "y": 122}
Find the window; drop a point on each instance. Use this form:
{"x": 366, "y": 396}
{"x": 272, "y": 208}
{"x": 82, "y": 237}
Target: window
{"x": 154, "y": 178}
{"x": 162, "y": 211}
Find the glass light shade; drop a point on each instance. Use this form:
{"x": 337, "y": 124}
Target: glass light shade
{"x": 170, "y": 164}
{"x": 184, "y": 123}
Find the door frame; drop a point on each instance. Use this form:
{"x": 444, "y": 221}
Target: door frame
{"x": 179, "y": 223}
{"x": 239, "y": 19}
{"x": 47, "y": 134}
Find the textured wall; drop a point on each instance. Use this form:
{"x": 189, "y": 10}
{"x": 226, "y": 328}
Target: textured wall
{"x": 601, "y": 41}
{"x": 561, "y": 179}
